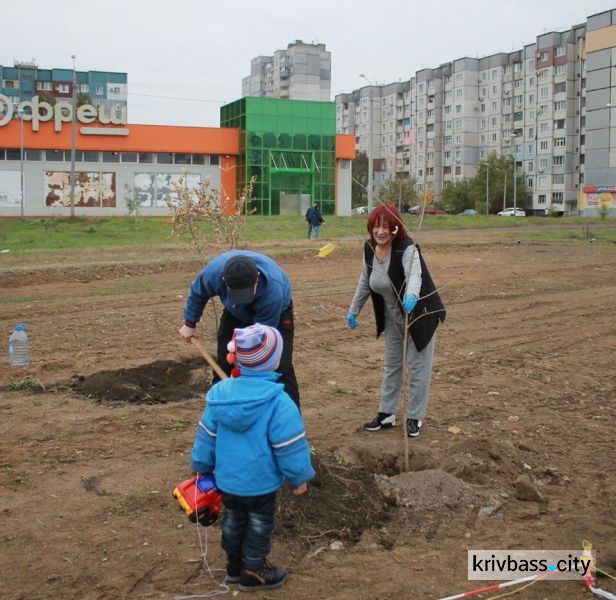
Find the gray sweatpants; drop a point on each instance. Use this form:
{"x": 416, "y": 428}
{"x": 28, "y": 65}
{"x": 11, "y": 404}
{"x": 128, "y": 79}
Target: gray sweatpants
{"x": 419, "y": 369}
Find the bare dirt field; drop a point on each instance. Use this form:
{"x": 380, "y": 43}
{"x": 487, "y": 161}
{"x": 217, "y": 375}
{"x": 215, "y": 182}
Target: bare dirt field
{"x": 517, "y": 449}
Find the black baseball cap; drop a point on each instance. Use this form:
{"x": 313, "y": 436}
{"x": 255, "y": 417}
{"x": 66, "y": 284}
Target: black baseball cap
{"x": 240, "y": 275}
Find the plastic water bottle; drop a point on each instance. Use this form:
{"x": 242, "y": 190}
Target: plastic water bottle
{"x": 18, "y": 347}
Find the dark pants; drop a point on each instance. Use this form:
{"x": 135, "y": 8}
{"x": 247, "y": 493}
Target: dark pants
{"x": 247, "y": 528}
{"x": 229, "y": 322}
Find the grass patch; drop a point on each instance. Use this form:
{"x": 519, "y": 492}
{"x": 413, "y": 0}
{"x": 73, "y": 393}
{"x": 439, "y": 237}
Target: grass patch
{"x": 27, "y": 235}
{"x": 23, "y": 384}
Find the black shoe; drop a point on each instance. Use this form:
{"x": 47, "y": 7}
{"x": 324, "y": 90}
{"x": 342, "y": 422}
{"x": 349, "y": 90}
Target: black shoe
{"x": 265, "y": 578}
{"x": 381, "y": 421}
{"x": 413, "y": 427}
{"x": 234, "y": 570}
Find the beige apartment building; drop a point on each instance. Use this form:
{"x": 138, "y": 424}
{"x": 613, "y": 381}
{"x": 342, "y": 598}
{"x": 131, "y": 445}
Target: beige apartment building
{"x": 551, "y": 104}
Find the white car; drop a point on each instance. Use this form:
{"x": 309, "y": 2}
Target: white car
{"x": 511, "y": 212}
{"x": 361, "y": 210}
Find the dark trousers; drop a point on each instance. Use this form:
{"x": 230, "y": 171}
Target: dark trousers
{"x": 229, "y": 322}
{"x": 247, "y": 528}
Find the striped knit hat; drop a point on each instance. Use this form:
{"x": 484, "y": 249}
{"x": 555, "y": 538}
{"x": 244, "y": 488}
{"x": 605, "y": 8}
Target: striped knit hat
{"x": 256, "y": 348}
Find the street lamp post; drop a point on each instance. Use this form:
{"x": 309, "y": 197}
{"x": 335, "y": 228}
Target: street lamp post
{"x": 515, "y": 175}
{"x": 20, "y": 113}
{"x": 73, "y": 137}
{"x": 370, "y": 165}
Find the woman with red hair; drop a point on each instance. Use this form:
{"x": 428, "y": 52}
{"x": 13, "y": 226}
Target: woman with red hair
{"x": 395, "y": 276}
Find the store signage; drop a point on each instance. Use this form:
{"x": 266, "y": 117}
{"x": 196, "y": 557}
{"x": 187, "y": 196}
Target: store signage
{"x": 38, "y": 112}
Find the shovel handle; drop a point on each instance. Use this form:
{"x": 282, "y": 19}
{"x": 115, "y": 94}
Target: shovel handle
{"x": 210, "y": 361}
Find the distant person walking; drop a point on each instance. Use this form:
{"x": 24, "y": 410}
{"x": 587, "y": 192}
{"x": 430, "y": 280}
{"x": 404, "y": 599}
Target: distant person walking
{"x": 315, "y": 220}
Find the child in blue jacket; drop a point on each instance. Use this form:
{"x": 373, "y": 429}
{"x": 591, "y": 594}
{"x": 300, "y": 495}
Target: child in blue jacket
{"x": 251, "y": 436}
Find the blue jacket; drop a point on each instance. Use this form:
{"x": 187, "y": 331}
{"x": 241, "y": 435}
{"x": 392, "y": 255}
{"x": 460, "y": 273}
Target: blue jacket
{"x": 251, "y": 435}
{"x": 273, "y": 296}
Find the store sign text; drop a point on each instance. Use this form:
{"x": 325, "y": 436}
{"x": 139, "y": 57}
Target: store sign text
{"x": 62, "y": 112}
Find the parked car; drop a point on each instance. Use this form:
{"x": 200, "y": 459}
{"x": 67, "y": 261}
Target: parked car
{"x": 469, "y": 212}
{"x": 429, "y": 210}
{"x": 511, "y": 212}
{"x": 361, "y": 210}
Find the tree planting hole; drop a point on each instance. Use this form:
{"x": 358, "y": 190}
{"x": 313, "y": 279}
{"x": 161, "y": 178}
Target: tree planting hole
{"x": 155, "y": 383}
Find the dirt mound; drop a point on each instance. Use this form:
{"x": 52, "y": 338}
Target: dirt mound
{"x": 155, "y": 383}
{"x": 432, "y": 490}
{"x": 342, "y": 501}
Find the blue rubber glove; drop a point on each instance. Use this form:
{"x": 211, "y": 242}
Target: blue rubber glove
{"x": 409, "y": 303}
{"x": 351, "y": 320}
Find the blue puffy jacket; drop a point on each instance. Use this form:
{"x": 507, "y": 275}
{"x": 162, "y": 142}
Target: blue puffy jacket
{"x": 273, "y": 296}
{"x": 252, "y": 436}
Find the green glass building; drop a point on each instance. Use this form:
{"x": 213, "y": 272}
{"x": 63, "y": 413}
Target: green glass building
{"x": 290, "y": 147}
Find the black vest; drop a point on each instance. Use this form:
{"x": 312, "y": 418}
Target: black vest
{"x": 429, "y": 310}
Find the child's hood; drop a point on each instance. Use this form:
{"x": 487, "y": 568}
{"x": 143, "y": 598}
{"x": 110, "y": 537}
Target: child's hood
{"x": 238, "y": 403}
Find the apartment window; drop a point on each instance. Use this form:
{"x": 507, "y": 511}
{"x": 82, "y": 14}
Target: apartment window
{"x": 447, "y": 154}
{"x": 459, "y": 93}
{"x": 529, "y": 166}
{"x": 557, "y": 161}
{"x": 430, "y": 156}
{"x": 447, "y": 139}
{"x": 493, "y": 74}
{"x": 458, "y": 170}
{"x": 114, "y": 90}
{"x": 483, "y": 107}
{"x": 459, "y": 77}
{"x": 531, "y": 81}
{"x": 557, "y": 197}
{"x": 529, "y": 182}
{"x": 560, "y": 69}
{"x": 458, "y": 155}
{"x": 531, "y": 64}
{"x": 531, "y": 115}
{"x": 484, "y": 76}
{"x": 558, "y": 179}
{"x": 421, "y": 102}
{"x": 494, "y": 105}
{"x": 544, "y": 56}
{"x": 494, "y": 121}
{"x": 482, "y": 154}
{"x": 544, "y": 127}
{"x": 530, "y": 150}
{"x": 560, "y": 142}
{"x": 561, "y": 51}
{"x": 43, "y": 85}
{"x": 494, "y": 90}
{"x": 483, "y": 138}
{"x": 518, "y": 83}
{"x": 447, "y": 110}
{"x": 430, "y": 113}
{"x": 543, "y": 181}
{"x": 518, "y": 116}
{"x": 531, "y": 98}
{"x": 494, "y": 138}
{"x": 507, "y": 69}
{"x": 506, "y": 134}
{"x": 458, "y": 108}
{"x": 507, "y": 86}
{"x": 560, "y": 87}
{"x": 447, "y": 124}
{"x": 63, "y": 88}
{"x": 543, "y": 74}
{"x": 543, "y": 145}
{"x": 560, "y": 105}
{"x": 100, "y": 90}
{"x": 420, "y": 88}
{"x": 541, "y": 199}
{"x": 458, "y": 124}
{"x": 518, "y": 99}
{"x": 543, "y": 92}
{"x": 543, "y": 164}
{"x": 448, "y": 96}
{"x": 507, "y": 118}
{"x": 146, "y": 157}
{"x": 531, "y": 133}
{"x": 458, "y": 139}
{"x": 506, "y": 102}
{"x": 559, "y": 124}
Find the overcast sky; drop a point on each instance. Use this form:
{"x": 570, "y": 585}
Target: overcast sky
{"x": 186, "y": 58}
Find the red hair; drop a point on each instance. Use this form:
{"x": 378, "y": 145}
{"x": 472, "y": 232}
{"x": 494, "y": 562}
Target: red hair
{"x": 389, "y": 216}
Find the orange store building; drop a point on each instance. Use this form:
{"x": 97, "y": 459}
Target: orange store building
{"x": 114, "y": 163}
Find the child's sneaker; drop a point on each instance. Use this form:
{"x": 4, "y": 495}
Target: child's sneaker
{"x": 265, "y": 578}
{"x": 381, "y": 421}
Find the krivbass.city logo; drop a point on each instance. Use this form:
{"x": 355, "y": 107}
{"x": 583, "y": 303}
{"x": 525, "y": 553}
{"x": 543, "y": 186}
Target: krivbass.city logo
{"x": 512, "y": 564}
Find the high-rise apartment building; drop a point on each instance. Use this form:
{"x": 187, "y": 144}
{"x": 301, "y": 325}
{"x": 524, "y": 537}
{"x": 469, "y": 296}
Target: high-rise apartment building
{"x": 24, "y": 80}
{"x": 301, "y": 72}
{"x": 551, "y": 104}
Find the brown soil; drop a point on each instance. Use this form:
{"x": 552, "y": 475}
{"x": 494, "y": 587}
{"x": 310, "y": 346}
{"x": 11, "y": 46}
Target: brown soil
{"x": 517, "y": 449}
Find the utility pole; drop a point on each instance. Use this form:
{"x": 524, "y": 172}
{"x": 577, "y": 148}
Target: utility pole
{"x": 73, "y": 136}
{"x": 487, "y": 188}
{"x": 513, "y": 153}
{"x": 370, "y": 124}
{"x": 20, "y": 113}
